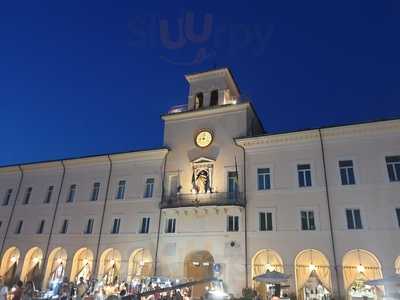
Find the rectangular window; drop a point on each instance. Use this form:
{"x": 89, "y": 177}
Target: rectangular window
{"x": 393, "y": 167}
{"x": 71, "y": 194}
{"x": 7, "y": 197}
{"x": 170, "y": 225}
{"x": 347, "y": 172}
{"x": 307, "y": 220}
{"x": 89, "y": 226}
{"x": 304, "y": 175}
{"x": 398, "y": 216}
{"x": 144, "y": 228}
{"x": 18, "y": 229}
{"x": 64, "y": 227}
{"x": 116, "y": 224}
{"x": 1, "y": 223}
{"x": 265, "y": 220}
{"x": 148, "y": 192}
{"x": 121, "y": 190}
{"x": 27, "y": 197}
{"x": 41, "y": 227}
{"x": 49, "y": 193}
{"x": 233, "y": 223}
{"x": 232, "y": 183}
{"x": 95, "y": 191}
{"x": 263, "y": 179}
{"x": 353, "y": 217}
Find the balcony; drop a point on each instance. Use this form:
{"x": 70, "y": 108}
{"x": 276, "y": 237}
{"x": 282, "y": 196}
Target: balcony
{"x": 196, "y": 200}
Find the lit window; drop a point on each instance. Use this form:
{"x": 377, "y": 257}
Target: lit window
{"x": 265, "y": 221}
{"x": 393, "y": 167}
{"x": 41, "y": 227}
{"x": 353, "y": 217}
{"x": 18, "y": 229}
{"x": 71, "y": 194}
{"x": 27, "y": 197}
{"x": 233, "y": 223}
{"x": 148, "y": 192}
{"x": 347, "y": 172}
{"x": 121, "y": 190}
{"x": 49, "y": 194}
{"x": 304, "y": 175}
{"x": 64, "y": 227}
{"x": 95, "y": 191}
{"x": 307, "y": 220}
{"x": 170, "y": 225}
{"x": 144, "y": 228}
{"x": 264, "y": 179}
{"x": 116, "y": 225}
{"x": 7, "y": 197}
{"x": 89, "y": 226}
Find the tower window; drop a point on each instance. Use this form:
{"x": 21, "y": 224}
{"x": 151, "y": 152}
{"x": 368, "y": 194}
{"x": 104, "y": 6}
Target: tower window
{"x": 199, "y": 101}
{"x": 214, "y": 98}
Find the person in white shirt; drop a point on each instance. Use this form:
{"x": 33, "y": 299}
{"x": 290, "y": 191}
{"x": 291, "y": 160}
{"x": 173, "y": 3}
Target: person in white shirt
{"x": 3, "y": 290}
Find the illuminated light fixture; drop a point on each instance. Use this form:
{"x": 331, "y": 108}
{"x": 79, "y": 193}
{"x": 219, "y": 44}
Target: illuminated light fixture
{"x": 312, "y": 267}
{"x": 269, "y": 267}
{"x": 35, "y": 260}
{"x": 59, "y": 260}
{"x": 13, "y": 259}
{"x": 194, "y": 191}
{"x": 141, "y": 263}
{"x": 206, "y": 263}
{"x": 234, "y": 101}
{"x": 85, "y": 261}
{"x": 112, "y": 261}
{"x": 196, "y": 263}
{"x": 360, "y": 269}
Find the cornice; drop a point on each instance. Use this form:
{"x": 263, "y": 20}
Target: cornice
{"x": 139, "y": 155}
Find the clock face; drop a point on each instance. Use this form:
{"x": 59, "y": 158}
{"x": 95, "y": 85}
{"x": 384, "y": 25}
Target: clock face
{"x": 204, "y": 138}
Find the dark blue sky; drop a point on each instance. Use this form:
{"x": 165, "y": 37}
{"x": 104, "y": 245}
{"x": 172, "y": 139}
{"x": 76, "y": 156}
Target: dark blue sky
{"x": 89, "y": 77}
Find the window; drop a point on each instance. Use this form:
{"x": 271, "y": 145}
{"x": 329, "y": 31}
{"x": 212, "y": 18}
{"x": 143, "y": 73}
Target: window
{"x": 307, "y": 220}
{"x": 398, "y": 216}
{"x": 170, "y": 225}
{"x": 353, "y": 217}
{"x": 264, "y": 179}
{"x": 71, "y": 194}
{"x": 27, "y": 197}
{"x": 1, "y": 223}
{"x": 64, "y": 227}
{"x": 265, "y": 221}
{"x": 148, "y": 192}
{"x": 7, "y": 197}
{"x": 214, "y": 98}
{"x": 304, "y": 175}
{"x": 18, "y": 229}
{"x": 49, "y": 193}
{"x": 95, "y": 191}
{"x": 41, "y": 227}
{"x": 232, "y": 183}
{"x": 198, "y": 101}
{"x": 393, "y": 167}
{"x": 89, "y": 226}
{"x": 121, "y": 190}
{"x": 144, "y": 228}
{"x": 233, "y": 223}
{"x": 347, "y": 172}
{"x": 115, "y": 227}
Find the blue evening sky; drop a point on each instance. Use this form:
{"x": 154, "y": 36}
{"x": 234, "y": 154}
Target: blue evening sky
{"x": 89, "y": 77}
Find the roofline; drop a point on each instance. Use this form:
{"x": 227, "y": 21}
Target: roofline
{"x": 82, "y": 157}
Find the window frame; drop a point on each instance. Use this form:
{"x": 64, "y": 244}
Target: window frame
{"x": 312, "y": 181}
{"x": 141, "y": 225}
{"x": 40, "y": 229}
{"x": 27, "y": 195}
{"x": 49, "y": 194}
{"x": 18, "y": 229}
{"x": 270, "y": 168}
{"x": 396, "y": 174}
{"x": 235, "y": 223}
{"x": 116, "y": 227}
{"x": 7, "y": 197}
{"x": 89, "y": 226}
{"x": 117, "y": 194}
{"x": 64, "y": 226}
{"x": 146, "y": 184}
{"x": 72, "y": 190}
{"x": 174, "y": 226}
{"x": 353, "y": 167}
{"x": 266, "y": 211}
{"x": 362, "y": 223}
{"x": 94, "y": 195}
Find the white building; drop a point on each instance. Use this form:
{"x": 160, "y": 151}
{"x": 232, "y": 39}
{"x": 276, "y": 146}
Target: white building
{"x": 220, "y": 191}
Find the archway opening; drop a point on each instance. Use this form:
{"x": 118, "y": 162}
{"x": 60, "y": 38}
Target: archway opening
{"x": 9, "y": 264}
{"x": 110, "y": 266}
{"x": 55, "y": 270}
{"x": 82, "y": 265}
{"x": 32, "y": 266}
{"x": 140, "y": 264}
{"x": 263, "y": 261}
{"x": 358, "y": 267}
{"x": 198, "y": 265}
{"x": 313, "y": 275}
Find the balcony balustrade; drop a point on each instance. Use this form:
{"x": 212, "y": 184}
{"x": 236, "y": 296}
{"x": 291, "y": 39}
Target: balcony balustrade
{"x": 208, "y": 199}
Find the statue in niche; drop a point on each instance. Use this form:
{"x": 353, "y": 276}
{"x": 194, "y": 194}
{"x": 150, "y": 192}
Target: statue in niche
{"x": 202, "y": 181}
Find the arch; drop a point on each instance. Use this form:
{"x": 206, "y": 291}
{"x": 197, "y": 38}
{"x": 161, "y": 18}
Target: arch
{"x": 82, "y": 265}
{"x": 9, "y": 265}
{"x": 32, "y": 265}
{"x": 55, "y": 269}
{"x": 359, "y": 266}
{"x": 110, "y": 266}
{"x": 397, "y": 265}
{"x": 312, "y": 272}
{"x": 214, "y": 98}
{"x": 140, "y": 264}
{"x": 198, "y": 265}
{"x": 265, "y": 260}
{"x": 198, "y": 101}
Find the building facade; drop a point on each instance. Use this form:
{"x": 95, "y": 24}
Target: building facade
{"x": 321, "y": 203}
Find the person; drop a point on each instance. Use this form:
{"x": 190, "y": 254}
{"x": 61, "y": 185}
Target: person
{"x": 65, "y": 289}
{"x": 17, "y": 294}
{"x": 3, "y": 290}
{"x": 28, "y": 291}
{"x": 81, "y": 289}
